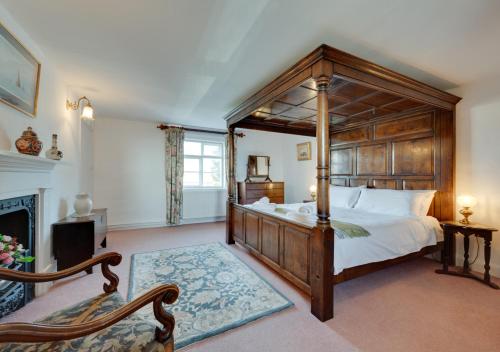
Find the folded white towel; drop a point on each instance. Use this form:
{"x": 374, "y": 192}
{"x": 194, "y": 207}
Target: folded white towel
{"x": 300, "y": 217}
{"x": 270, "y": 207}
{"x": 263, "y": 200}
{"x": 307, "y": 209}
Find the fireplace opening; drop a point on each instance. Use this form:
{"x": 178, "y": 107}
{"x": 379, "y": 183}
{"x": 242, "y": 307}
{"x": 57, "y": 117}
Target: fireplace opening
{"x": 16, "y": 224}
{"x": 17, "y": 218}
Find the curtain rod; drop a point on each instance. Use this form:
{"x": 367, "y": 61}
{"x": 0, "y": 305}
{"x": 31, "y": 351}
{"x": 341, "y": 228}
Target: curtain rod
{"x": 164, "y": 127}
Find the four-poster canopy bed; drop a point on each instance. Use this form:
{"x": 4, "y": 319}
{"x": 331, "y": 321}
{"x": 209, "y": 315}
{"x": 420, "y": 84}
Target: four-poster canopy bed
{"x": 378, "y": 128}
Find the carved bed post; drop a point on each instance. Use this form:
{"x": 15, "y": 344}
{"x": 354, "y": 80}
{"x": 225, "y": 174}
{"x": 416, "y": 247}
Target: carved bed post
{"x": 322, "y": 241}
{"x": 231, "y": 186}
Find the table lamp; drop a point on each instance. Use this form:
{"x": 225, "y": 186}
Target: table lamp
{"x": 312, "y": 189}
{"x": 466, "y": 202}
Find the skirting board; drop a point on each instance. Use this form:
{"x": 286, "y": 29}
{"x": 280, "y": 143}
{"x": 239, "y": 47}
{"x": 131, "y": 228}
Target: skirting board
{"x": 478, "y": 267}
{"x": 147, "y": 225}
{"x": 43, "y": 287}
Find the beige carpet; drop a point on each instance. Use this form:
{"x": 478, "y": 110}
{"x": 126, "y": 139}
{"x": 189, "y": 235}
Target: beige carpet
{"x": 404, "y": 308}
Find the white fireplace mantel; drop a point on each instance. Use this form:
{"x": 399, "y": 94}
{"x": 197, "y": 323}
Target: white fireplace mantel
{"x": 16, "y": 162}
{"x": 22, "y": 175}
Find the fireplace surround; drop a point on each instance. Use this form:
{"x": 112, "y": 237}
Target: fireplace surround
{"x": 17, "y": 218}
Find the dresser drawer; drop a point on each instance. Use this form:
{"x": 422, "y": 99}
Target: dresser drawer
{"x": 264, "y": 193}
{"x": 252, "y": 192}
{"x": 265, "y": 185}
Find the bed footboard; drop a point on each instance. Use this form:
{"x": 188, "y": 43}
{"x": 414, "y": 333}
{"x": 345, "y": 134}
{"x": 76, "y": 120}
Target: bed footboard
{"x": 282, "y": 245}
{"x": 301, "y": 254}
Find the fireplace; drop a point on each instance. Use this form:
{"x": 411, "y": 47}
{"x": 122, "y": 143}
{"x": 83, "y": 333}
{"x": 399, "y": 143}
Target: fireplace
{"x": 17, "y": 218}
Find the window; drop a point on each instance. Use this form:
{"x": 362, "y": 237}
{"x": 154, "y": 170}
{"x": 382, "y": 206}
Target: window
{"x": 203, "y": 164}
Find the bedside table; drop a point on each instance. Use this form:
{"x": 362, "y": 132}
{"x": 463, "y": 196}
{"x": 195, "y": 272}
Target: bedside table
{"x": 467, "y": 230}
{"x": 308, "y": 201}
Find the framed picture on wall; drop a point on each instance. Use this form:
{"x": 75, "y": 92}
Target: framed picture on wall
{"x": 304, "y": 151}
{"x": 19, "y": 74}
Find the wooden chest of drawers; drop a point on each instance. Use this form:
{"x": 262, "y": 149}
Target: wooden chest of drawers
{"x": 249, "y": 192}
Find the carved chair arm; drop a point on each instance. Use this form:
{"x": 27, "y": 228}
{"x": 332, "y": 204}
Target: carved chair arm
{"x": 106, "y": 259}
{"x": 26, "y": 332}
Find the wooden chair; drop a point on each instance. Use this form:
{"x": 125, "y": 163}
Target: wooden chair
{"x": 105, "y": 322}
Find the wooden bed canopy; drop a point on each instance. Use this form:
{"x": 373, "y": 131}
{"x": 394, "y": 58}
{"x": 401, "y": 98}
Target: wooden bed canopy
{"x": 373, "y": 127}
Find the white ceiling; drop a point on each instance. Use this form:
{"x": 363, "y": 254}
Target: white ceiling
{"x": 192, "y": 61}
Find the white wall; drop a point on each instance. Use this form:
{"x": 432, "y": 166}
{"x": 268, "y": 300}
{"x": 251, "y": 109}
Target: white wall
{"x": 129, "y": 176}
{"x": 478, "y": 160}
{"x": 87, "y": 157}
{"x": 52, "y": 117}
{"x": 282, "y": 148}
{"x": 129, "y": 171}
{"x": 299, "y": 175}
{"x": 260, "y": 143}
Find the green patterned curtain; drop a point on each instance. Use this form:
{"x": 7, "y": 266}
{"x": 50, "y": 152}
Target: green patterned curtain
{"x": 174, "y": 172}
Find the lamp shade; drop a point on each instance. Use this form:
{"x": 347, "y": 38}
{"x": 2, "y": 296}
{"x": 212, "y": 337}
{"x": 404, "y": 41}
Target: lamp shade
{"x": 312, "y": 189}
{"x": 88, "y": 112}
{"x": 466, "y": 201}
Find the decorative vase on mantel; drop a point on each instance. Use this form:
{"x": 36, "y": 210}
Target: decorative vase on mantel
{"x": 54, "y": 153}
{"x": 82, "y": 205}
{"x": 29, "y": 143}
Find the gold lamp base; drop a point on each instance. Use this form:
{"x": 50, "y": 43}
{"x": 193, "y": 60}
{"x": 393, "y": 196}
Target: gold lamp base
{"x": 466, "y": 212}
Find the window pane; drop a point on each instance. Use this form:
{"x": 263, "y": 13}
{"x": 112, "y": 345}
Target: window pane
{"x": 192, "y": 148}
{"x": 212, "y": 165}
{"x": 203, "y": 164}
{"x": 191, "y": 179}
{"x": 191, "y": 164}
{"x": 212, "y": 149}
{"x": 211, "y": 179}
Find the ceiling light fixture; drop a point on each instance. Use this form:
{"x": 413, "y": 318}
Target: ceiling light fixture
{"x": 87, "y": 111}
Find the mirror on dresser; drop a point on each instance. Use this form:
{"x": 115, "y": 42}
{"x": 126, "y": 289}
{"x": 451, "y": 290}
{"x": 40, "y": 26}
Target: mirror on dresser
{"x": 258, "y": 168}
{"x": 258, "y": 184}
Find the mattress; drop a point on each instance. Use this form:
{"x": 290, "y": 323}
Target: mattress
{"x": 390, "y": 237}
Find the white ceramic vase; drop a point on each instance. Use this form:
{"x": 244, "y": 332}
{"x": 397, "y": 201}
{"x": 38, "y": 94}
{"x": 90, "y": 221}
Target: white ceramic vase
{"x": 83, "y": 205}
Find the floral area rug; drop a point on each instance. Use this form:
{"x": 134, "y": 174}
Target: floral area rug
{"x": 218, "y": 291}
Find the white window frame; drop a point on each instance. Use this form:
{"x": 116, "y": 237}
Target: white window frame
{"x": 200, "y": 161}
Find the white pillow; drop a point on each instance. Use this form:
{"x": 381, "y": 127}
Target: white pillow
{"x": 423, "y": 203}
{"x": 395, "y": 202}
{"x": 344, "y": 197}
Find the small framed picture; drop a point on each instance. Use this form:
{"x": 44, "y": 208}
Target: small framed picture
{"x": 304, "y": 151}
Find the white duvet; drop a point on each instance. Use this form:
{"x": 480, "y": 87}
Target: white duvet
{"x": 390, "y": 237}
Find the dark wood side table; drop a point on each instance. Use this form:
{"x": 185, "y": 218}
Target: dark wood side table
{"x": 77, "y": 239}
{"x": 467, "y": 230}
{"x": 308, "y": 201}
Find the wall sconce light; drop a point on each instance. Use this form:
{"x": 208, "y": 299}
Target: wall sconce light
{"x": 87, "y": 111}
{"x": 313, "y": 190}
{"x": 466, "y": 202}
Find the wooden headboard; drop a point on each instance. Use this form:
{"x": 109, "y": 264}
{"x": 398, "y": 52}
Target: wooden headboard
{"x": 408, "y": 152}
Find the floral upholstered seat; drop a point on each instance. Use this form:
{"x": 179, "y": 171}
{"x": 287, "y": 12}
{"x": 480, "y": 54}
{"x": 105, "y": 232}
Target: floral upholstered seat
{"x": 130, "y": 334}
{"x": 102, "y": 323}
